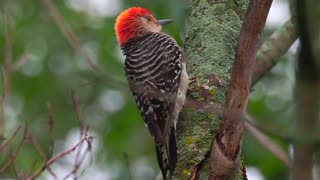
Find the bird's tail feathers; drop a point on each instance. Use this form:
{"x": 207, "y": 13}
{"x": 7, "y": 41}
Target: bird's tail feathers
{"x": 167, "y": 154}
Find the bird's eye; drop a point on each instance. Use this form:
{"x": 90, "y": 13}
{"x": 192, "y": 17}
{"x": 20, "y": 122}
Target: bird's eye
{"x": 148, "y": 18}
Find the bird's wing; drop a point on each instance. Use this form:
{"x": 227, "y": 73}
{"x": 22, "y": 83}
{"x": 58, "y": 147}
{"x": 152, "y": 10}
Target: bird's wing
{"x": 153, "y": 69}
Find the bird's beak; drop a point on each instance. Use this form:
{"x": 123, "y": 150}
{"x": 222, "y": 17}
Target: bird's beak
{"x": 164, "y": 22}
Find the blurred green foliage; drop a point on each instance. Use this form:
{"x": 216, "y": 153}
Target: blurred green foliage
{"x": 53, "y": 69}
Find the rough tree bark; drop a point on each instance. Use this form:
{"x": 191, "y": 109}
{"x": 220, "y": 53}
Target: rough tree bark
{"x": 225, "y": 151}
{"x": 212, "y": 32}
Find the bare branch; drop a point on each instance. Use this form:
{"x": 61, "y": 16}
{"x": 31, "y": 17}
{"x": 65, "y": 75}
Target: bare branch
{"x": 270, "y": 129}
{"x": 126, "y": 158}
{"x": 225, "y": 147}
{"x": 242, "y": 72}
{"x": 8, "y": 142}
{"x": 67, "y": 32}
{"x": 273, "y": 48}
{"x": 15, "y": 153}
{"x": 268, "y": 144}
{"x": 15, "y": 170}
{"x": 6, "y": 72}
{"x": 80, "y": 160}
{"x": 60, "y": 155}
{"x": 70, "y": 36}
{"x": 20, "y": 61}
{"x": 51, "y": 123}
{"x": 76, "y": 108}
{"x": 37, "y": 146}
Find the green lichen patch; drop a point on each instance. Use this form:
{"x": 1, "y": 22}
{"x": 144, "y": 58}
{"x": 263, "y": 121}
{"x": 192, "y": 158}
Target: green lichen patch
{"x": 195, "y": 131}
{"x": 207, "y": 90}
{"x": 212, "y": 33}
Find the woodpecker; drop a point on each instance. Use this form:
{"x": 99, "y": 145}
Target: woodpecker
{"x": 156, "y": 72}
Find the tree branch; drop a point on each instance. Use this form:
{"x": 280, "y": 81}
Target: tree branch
{"x": 28, "y": 138}
{"x": 227, "y": 141}
{"x": 126, "y": 158}
{"x": 9, "y": 141}
{"x": 267, "y": 143}
{"x": 273, "y": 48}
{"x": 15, "y": 153}
{"x": 211, "y": 37}
{"x": 70, "y": 36}
{"x": 47, "y": 163}
{"x": 51, "y": 132}
{"x": 20, "y": 61}
{"x": 44, "y": 156}
{"x": 6, "y": 74}
{"x": 268, "y": 128}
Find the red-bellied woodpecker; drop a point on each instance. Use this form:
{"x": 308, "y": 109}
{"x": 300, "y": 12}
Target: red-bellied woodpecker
{"x": 156, "y": 71}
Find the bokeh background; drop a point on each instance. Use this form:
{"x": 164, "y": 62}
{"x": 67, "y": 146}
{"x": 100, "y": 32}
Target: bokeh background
{"x": 53, "y": 69}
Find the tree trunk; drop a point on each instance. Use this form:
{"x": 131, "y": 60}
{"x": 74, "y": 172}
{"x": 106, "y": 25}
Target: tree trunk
{"x": 212, "y": 33}
{"x": 307, "y": 96}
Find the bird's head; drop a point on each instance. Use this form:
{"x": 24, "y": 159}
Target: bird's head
{"x": 136, "y": 21}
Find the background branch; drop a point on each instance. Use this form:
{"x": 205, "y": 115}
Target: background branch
{"x": 273, "y": 48}
{"x": 267, "y": 143}
{"x": 126, "y": 158}
{"x": 6, "y": 73}
{"x": 48, "y": 159}
{"x": 270, "y": 129}
{"x": 42, "y": 153}
{"x": 70, "y": 36}
{"x": 13, "y": 155}
{"x": 5, "y": 145}
{"x": 60, "y": 155}
{"x": 51, "y": 132}
{"x": 307, "y": 90}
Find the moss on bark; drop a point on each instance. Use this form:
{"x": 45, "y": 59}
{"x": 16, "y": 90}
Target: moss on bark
{"x": 212, "y": 32}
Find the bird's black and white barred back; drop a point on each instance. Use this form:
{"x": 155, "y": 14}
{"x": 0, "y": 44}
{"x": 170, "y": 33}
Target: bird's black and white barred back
{"x": 155, "y": 69}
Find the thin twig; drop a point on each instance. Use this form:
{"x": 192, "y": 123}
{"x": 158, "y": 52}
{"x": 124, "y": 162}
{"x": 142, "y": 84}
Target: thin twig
{"x": 58, "y": 156}
{"x": 33, "y": 167}
{"x": 70, "y": 36}
{"x": 14, "y": 154}
{"x": 20, "y": 61}
{"x": 6, "y": 72}
{"x": 268, "y": 144}
{"x": 67, "y": 32}
{"x": 126, "y": 158}
{"x": 8, "y": 142}
{"x": 269, "y": 129}
{"x": 51, "y": 124}
{"x": 81, "y": 159}
{"x": 76, "y": 108}
{"x": 37, "y": 146}
{"x": 7, "y": 59}
{"x": 15, "y": 170}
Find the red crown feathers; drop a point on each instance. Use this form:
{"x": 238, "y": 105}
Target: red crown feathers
{"x": 127, "y": 23}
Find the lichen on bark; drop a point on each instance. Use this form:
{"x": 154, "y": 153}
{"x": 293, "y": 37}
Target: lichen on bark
{"x": 211, "y": 37}
{"x": 212, "y": 32}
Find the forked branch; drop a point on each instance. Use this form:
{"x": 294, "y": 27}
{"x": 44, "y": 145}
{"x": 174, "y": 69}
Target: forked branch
{"x": 225, "y": 147}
